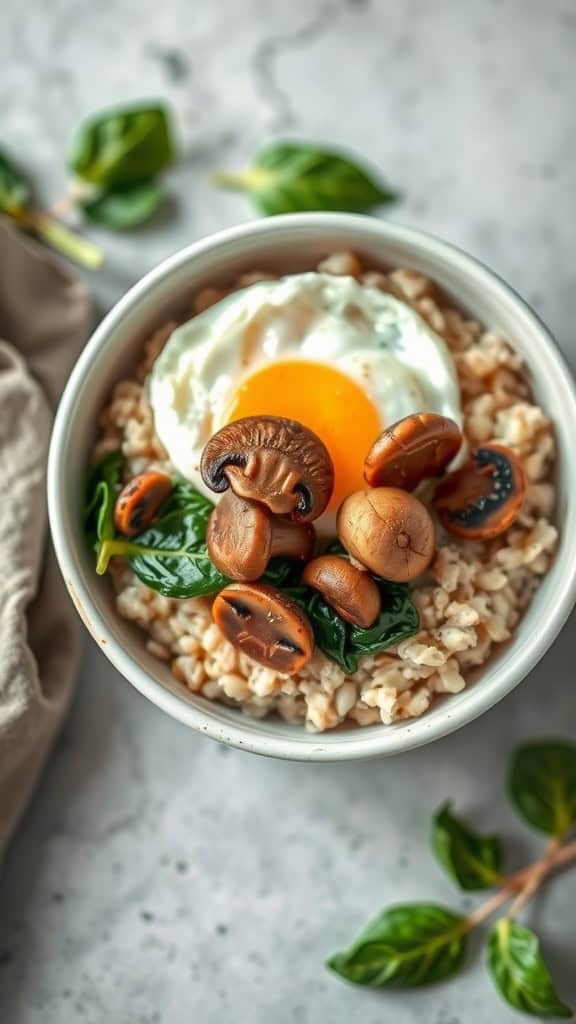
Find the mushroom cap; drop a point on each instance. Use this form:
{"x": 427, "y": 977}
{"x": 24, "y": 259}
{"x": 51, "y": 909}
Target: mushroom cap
{"x": 239, "y": 538}
{"x": 389, "y": 531}
{"x": 264, "y": 624}
{"x": 416, "y": 447}
{"x": 351, "y": 592}
{"x": 276, "y": 461}
{"x": 484, "y": 497}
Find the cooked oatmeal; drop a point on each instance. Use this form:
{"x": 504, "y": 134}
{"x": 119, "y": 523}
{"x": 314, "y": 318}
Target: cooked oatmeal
{"x": 470, "y": 599}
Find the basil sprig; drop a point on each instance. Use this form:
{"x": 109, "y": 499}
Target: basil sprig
{"x": 520, "y": 972}
{"x": 404, "y": 947}
{"x": 419, "y": 943}
{"x": 290, "y": 177}
{"x": 471, "y": 860}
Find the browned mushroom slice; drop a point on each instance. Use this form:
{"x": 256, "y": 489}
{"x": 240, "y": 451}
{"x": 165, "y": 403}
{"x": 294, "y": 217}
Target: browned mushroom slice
{"x": 139, "y": 501}
{"x": 389, "y": 531}
{"x": 243, "y": 536}
{"x": 265, "y": 625}
{"x": 351, "y": 592}
{"x": 276, "y": 461}
{"x": 484, "y": 497}
{"x": 414, "y": 448}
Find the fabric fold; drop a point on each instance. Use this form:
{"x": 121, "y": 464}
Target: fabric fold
{"x": 44, "y": 319}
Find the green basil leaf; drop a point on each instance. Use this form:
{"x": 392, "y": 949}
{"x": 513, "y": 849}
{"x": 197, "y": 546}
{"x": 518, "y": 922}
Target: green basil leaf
{"x": 122, "y": 147}
{"x": 405, "y": 946}
{"x": 14, "y": 189}
{"x": 124, "y": 208}
{"x": 542, "y": 785}
{"x": 185, "y": 497}
{"x": 473, "y": 861}
{"x": 103, "y": 486}
{"x": 331, "y": 633}
{"x": 288, "y": 177}
{"x": 520, "y": 973}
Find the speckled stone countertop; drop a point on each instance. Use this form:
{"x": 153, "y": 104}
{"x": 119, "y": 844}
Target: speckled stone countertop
{"x": 159, "y": 878}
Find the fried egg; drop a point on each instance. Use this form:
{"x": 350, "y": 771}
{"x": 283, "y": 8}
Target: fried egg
{"x": 345, "y": 359}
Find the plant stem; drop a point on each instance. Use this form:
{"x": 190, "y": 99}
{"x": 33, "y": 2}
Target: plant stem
{"x": 75, "y": 193}
{"x": 491, "y": 905}
{"x": 525, "y": 882}
{"x": 225, "y": 179}
{"x": 565, "y": 854}
{"x": 61, "y": 238}
{"x": 253, "y": 178}
{"x": 67, "y": 242}
{"x": 535, "y": 879}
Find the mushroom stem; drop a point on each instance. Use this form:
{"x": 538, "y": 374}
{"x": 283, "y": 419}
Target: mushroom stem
{"x": 239, "y": 537}
{"x": 292, "y": 540}
{"x": 243, "y": 536}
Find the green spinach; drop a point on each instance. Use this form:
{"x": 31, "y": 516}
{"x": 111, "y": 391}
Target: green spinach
{"x": 14, "y": 189}
{"x": 346, "y": 644}
{"x": 124, "y": 208}
{"x": 287, "y": 177}
{"x": 102, "y": 489}
{"x": 170, "y": 556}
{"x": 122, "y": 147}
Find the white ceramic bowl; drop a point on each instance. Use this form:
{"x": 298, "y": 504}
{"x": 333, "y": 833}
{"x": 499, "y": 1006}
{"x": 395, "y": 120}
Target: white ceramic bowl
{"x": 287, "y": 244}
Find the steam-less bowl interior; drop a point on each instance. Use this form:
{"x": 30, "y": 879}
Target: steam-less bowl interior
{"x": 287, "y": 244}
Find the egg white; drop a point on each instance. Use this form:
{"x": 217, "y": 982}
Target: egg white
{"x": 382, "y": 343}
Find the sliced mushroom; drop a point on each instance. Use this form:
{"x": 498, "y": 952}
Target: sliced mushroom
{"x": 389, "y": 531}
{"x": 351, "y": 592}
{"x": 414, "y": 448}
{"x": 275, "y": 461}
{"x": 243, "y": 536}
{"x": 139, "y": 501}
{"x": 264, "y": 624}
{"x": 484, "y": 497}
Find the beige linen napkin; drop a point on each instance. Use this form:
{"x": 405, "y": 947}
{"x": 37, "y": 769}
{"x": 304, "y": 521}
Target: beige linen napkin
{"x": 44, "y": 319}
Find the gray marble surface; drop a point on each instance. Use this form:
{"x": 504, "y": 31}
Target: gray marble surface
{"x": 159, "y": 878}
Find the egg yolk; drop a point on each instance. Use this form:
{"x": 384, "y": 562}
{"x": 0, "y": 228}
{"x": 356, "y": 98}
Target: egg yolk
{"x": 326, "y": 401}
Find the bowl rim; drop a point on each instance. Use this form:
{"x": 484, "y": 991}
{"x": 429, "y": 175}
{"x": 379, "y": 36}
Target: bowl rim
{"x": 244, "y": 733}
